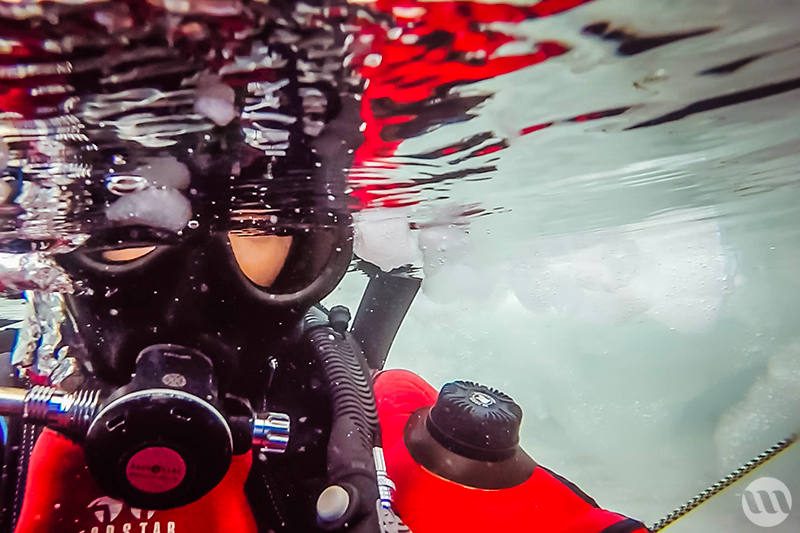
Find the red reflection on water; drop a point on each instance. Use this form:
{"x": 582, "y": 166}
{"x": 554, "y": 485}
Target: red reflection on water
{"x": 434, "y": 47}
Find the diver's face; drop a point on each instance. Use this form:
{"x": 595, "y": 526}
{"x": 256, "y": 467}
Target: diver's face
{"x": 208, "y": 294}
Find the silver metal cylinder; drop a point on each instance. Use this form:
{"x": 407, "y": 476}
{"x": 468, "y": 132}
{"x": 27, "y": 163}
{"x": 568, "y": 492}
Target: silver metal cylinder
{"x": 386, "y": 486}
{"x": 271, "y": 432}
{"x": 51, "y": 407}
{"x": 74, "y": 411}
{"x": 12, "y": 401}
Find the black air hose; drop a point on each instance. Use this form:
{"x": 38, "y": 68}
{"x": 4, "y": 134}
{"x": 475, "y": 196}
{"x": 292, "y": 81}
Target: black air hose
{"x": 355, "y": 427}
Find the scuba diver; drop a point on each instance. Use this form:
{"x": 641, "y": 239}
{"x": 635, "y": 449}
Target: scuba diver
{"x": 186, "y": 161}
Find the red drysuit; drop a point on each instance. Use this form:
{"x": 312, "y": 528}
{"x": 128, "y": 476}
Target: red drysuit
{"x": 428, "y": 503}
{"x": 61, "y": 496}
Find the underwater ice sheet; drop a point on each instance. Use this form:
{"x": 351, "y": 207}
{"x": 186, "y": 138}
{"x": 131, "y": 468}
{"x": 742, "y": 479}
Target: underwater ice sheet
{"x": 629, "y": 272}
{"x": 602, "y": 198}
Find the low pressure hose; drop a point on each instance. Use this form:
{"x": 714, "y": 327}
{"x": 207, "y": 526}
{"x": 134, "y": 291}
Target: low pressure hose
{"x": 354, "y": 431}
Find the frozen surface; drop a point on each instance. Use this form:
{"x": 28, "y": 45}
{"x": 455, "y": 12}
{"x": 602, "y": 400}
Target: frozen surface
{"x": 159, "y": 208}
{"x": 165, "y": 172}
{"x": 383, "y": 237}
{"x": 215, "y": 100}
{"x": 635, "y": 290}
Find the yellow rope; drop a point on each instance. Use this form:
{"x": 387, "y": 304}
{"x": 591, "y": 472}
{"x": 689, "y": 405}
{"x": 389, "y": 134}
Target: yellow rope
{"x": 723, "y": 483}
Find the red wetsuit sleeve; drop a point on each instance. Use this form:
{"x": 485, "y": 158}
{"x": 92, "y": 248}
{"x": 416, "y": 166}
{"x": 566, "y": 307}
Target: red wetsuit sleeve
{"x": 602, "y": 521}
{"x": 398, "y": 394}
{"x": 62, "y": 497}
{"x": 428, "y": 503}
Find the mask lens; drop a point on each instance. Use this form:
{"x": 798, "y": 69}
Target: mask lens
{"x": 126, "y": 255}
{"x": 261, "y": 257}
{"x": 285, "y": 263}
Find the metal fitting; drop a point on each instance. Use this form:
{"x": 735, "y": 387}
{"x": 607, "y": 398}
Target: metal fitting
{"x": 271, "y": 432}
{"x": 386, "y": 486}
{"x": 51, "y": 407}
